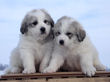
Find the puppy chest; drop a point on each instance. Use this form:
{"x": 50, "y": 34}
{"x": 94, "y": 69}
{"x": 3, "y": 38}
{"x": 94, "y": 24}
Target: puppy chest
{"x": 73, "y": 61}
{"x": 40, "y": 51}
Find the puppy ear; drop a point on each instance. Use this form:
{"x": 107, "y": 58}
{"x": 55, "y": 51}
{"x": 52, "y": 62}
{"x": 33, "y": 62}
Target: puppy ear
{"x": 50, "y": 36}
{"x": 81, "y": 34}
{"x": 24, "y": 27}
{"x": 52, "y": 22}
{"x": 49, "y": 17}
{"x": 52, "y": 33}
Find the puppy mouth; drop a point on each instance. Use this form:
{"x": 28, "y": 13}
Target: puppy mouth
{"x": 43, "y": 33}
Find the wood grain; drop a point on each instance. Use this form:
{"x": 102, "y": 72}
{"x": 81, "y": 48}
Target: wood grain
{"x": 52, "y": 75}
{"x": 80, "y": 80}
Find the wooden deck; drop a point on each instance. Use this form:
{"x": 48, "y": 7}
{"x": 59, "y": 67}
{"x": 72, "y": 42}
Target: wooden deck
{"x": 100, "y": 76}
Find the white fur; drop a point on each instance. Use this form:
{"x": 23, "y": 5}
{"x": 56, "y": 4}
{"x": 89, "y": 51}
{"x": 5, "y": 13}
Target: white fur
{"x": 32, "y": 52}
{"x": 73, "y": 55}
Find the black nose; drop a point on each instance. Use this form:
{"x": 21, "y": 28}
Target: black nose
{"x": 42, "y": 29}
{"x": 61, "y": 42}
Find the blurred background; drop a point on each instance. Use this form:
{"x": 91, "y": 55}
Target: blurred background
{"x": 94, "y": 15}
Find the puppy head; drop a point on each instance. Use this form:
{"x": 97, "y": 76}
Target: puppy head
{"x": 68, "y": 32}
{"x": 37, "y": 23}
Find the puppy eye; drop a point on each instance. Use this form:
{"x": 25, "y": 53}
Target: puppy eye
{"x": 34, "y": 23}
{"x": 57, "y": 33}
{"x": 69, "y": 34}
{"x": 47, "y": 22}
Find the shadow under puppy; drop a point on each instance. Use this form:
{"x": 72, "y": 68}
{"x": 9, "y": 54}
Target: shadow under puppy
{"x": 73, "y": 49}
{"x": 35, "y": 45}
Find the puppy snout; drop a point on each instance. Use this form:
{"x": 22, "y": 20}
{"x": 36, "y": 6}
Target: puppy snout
{"x": 61, "y": 42}
{"x": 42, "y": 29}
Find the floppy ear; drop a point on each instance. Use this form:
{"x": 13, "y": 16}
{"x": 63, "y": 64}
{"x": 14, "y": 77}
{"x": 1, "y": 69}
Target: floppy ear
{"x": 50, "y": 36}
{"x": 24, "y": 27}
{"x": 49, "y": 17}
{"x": 81, "y": 34}
{"x": 52, "y": 22}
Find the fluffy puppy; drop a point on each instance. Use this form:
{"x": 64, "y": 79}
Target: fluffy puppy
{"x": 73, "y": 49}
{"x": 35, "y": 44}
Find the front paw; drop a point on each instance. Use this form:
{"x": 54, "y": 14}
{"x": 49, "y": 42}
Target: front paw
{"x": 89, "y": 70}
{"x": 49, "y": 70}
{"x": 29, "y": 70}
{"x": 13, "y": 70}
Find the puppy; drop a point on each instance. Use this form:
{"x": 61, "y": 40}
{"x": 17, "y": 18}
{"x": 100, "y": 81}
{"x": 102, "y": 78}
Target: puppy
{"x": 35, "y": 44}
{"x": 73, "y": 49}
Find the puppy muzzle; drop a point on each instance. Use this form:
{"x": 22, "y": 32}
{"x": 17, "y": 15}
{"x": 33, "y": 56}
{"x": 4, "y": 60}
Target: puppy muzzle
{"x": 43, "y": 30}
{"x": 61, "y": 42}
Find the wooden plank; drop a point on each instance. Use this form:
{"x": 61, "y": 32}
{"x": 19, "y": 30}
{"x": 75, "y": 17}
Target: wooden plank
{"x": 52, "y": 75}
{"x": 80, "y": 80}
{"x": 106, "y": 79}
{"x": 38, "y": 80}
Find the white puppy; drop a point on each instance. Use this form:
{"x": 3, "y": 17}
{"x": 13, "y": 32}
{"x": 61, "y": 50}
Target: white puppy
{"x": 73, "y": 49}
{"x": 35, "y": 45}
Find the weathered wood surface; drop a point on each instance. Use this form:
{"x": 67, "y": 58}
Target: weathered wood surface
{"x": 38, "y": 80}
{"x": 64, "y": 80}
{"x": 80, "y": 80}
{"x": 100, "y": 76}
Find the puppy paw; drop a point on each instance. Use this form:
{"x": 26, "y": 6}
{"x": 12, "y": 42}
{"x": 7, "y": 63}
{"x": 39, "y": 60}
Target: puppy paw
{"x": 100, "y": 67}
{"x": 29, "y": 70}
{"x": 49, "y": 70}
{"x": 12, "y": 70}
{"x": 7, "y": 70}
{"x": 89, "y": 71}
{"x": 15, "y": 70}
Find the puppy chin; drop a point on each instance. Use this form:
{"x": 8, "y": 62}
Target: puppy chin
{"x": 43, "y": 35}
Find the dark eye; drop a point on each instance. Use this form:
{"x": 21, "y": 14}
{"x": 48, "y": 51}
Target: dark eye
{"x": 57, "y": 33}
{"x": 47, "y": 22}
{"x": 69, "y": 34}
{"x": 34, "y": 23}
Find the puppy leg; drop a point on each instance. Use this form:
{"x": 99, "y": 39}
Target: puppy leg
{"x": 55, "y": 63}
{"x": 45, "y": 62}
{"x": 28, "y": 61}
{"x": 87, "y": 65}
{"x": 15, "y": 63}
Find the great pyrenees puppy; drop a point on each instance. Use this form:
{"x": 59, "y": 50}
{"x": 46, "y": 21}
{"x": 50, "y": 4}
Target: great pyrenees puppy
{"x": 35, "y": 45}
{"x": 73, "y": 49}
